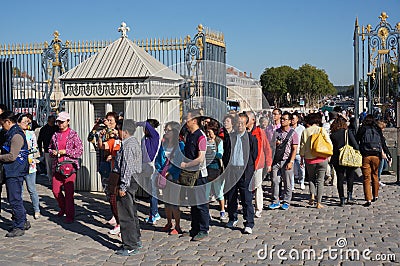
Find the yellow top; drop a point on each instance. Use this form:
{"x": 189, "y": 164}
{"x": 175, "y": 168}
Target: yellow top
{"x": 305, "y": 142}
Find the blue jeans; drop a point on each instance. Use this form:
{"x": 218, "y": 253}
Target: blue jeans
{"x": 153, "y": 196}
{"x": 382, "y": 165}
{"x": 299, "y": 172}
{"x": 30, "y": 180}
{"x": 14, "y": 188}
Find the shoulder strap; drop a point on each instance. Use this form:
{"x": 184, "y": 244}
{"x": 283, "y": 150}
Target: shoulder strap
{"x": 289, "y": 134}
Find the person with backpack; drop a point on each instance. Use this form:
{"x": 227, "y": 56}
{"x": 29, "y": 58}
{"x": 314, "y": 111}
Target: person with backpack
{"x": 370, "y": 138}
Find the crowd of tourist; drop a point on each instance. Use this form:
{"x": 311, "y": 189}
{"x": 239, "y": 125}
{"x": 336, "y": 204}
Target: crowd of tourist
{"x": 191, "y": 164}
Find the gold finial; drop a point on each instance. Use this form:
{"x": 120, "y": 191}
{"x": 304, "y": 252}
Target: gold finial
{"x": 356, "y": 23}
{"x": 383, "y": 17}
{"x": 398, "y": 26}
{"x": 147, "y": 44}
{"x": 67, "y": 43}
{"x": 123, "y": 29}
{"x": 369, "y": 28}
{"x": 56, "y": 34}
{"x": 187, "y": 39}
{"x": 46, "y": 45}
{"x": 31, "y": 49}
{"x": 200, "y": 28}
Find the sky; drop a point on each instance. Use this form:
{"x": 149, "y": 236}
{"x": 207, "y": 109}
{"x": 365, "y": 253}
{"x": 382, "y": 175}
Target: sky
{"x": 259, "y": 34}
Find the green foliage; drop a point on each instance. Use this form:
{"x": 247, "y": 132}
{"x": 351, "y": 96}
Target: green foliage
{"x": 307, "y": 82}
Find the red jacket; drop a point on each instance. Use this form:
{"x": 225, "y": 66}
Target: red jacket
{"x": 264, "y": 156}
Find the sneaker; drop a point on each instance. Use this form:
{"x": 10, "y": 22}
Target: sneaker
{"x": 232, "y": 224}
{"x": 112, "y": 221}
{"x": 152, "y": 219}
{"x": 115, "y": 231}
{"x": 285, "y": 206}
{"x": 36, "y": 215}
{"x": 273, "y": 206}
{"x": 258, "y": 214}
{"x": 302, "y": 186}
{"x": 127, "y": 252}
{"x": 381, "y": 184}
{"x": 200, "y": 236}
{"x": 27, "y": 225}
{"x": 223, "y": 217}
{"x": 15, "y": 232}
{"x": 248, "y": 230}
{"x": 157, "y": 216}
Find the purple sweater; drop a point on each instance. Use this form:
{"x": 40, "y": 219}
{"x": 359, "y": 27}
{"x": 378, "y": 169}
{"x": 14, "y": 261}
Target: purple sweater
{"x": 149, "y": 142}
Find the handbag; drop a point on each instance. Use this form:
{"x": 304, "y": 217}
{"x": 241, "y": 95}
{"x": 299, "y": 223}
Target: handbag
{"x": 162, "y": 177}
{"x": 188, "y": 178}
{"x": 320, "y": 146}
{"x": 65, "y": 168}
{"x": 348, "y": 156}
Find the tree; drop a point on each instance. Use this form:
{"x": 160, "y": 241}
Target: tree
{"x": 274, "y": 82}
{"x": 308, "y": 82}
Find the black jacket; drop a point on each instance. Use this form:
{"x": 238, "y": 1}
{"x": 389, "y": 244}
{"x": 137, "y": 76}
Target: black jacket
{"x": 250, "y": 151}
{"x": 338, "y": 141}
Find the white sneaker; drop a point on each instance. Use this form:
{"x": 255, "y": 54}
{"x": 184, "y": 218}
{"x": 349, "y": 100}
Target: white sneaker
{"x": 382, "y": 184}
{"x": 115, "y": 231}
{"x": 112, "y": 221}
{"x": 248, "y": 230}
{"x": 258, "y": 214}
{"x": 36, "y": 215}
{"x": 302, "y": 186}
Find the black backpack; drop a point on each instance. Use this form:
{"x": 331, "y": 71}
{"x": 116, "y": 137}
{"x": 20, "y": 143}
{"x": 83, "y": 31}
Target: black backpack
{"x": 370, "y": 144}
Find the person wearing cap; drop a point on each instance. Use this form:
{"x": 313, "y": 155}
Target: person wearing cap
{"x": 65, "y": 145}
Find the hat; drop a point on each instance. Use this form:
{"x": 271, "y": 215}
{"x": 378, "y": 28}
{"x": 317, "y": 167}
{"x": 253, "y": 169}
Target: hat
{"x": 63, "y": 116}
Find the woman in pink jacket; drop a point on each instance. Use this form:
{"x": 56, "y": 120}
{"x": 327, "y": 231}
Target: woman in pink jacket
{"x": 65, "y": 145}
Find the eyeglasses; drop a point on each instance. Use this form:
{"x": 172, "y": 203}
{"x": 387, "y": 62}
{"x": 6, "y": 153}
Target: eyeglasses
{"x": 60, "y": 122}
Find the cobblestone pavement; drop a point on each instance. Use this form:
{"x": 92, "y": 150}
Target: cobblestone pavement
{"x": 333, "y": 233}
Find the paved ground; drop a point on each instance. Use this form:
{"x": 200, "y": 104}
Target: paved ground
{"x": 333, "y": 233}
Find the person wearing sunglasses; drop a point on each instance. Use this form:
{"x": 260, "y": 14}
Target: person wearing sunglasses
{"x": 30, "y": 179}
